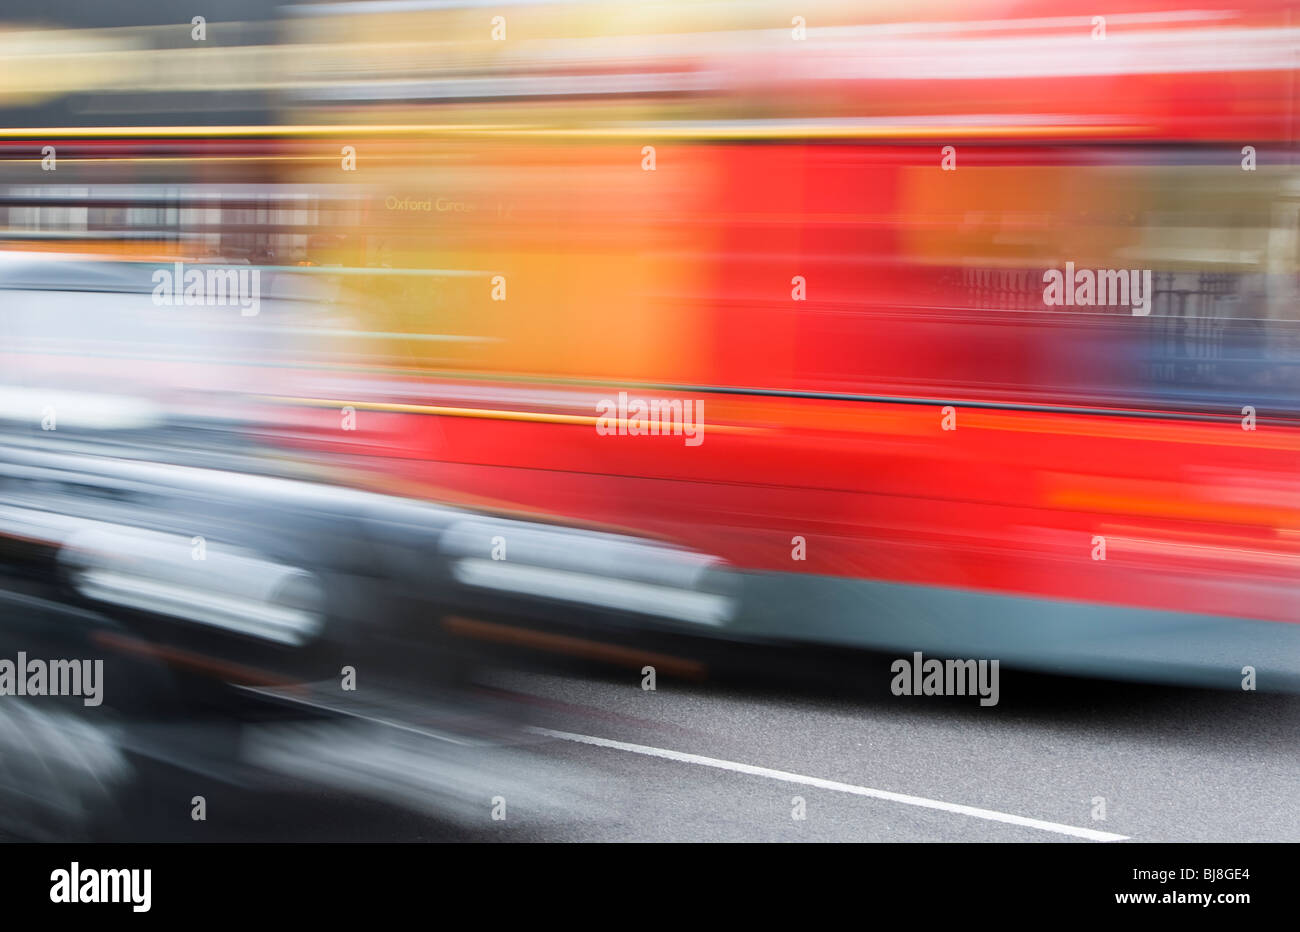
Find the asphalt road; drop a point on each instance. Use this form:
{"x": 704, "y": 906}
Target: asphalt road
{"x": 724, "y": 760}
{"x": 1171, "y": 765}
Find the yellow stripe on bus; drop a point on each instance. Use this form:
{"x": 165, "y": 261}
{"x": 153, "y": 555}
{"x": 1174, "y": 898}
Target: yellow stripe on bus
{"x": 498, "y": 414}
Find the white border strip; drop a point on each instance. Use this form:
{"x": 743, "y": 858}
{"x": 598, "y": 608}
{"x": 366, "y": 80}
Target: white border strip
{"x": 975, "y": 812}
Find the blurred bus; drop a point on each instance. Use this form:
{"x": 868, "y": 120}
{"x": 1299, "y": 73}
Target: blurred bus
{"x": 833, "y": 232}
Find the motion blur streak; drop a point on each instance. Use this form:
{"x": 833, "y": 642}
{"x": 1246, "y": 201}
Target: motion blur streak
{"x": 469, "y": 228}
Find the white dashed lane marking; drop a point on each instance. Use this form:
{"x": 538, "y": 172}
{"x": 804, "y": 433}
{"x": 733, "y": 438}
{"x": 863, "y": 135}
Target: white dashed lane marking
{"x": 974, "y": 812}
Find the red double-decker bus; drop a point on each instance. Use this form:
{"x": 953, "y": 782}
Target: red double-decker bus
{"x": 837, "y": 246}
